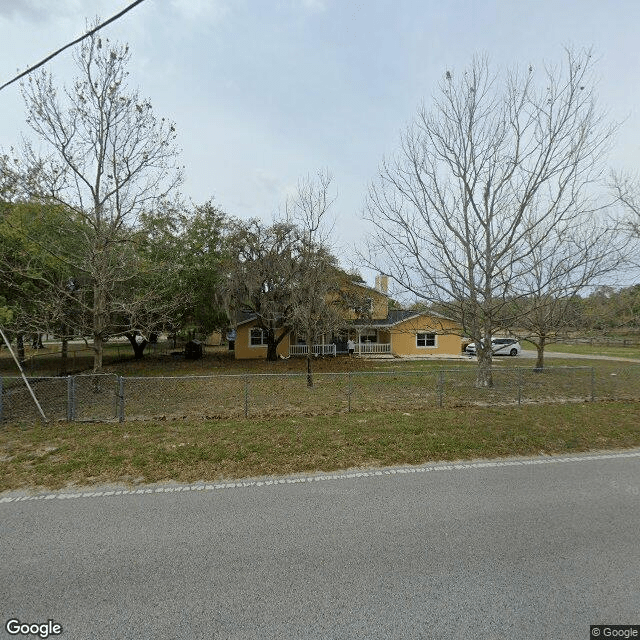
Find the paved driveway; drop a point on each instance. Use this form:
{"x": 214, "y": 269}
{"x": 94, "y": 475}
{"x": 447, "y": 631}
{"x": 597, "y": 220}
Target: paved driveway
{"x": 575, "y": 356}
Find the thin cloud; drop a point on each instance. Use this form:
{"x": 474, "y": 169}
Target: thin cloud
{"x": 314, "y": 6}
{"x": 201, "y": 10}
{"x": 38, "y": 10}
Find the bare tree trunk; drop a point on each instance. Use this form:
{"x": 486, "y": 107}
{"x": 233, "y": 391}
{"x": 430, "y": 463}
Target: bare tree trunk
{"x": 64, "y": 352}
{"x": 20, "y": 348}
{"x": 272, "y": 351}
{"x": 99, "y": 313}
{"x": 464, "y": 211}
{"x": 109, "y": 161}
{"x": 138, "y": 349}
{"x": 309, "y": 372}
{"x": 540, "y": 349}
{"x": 97, "y": 353}
{"x": 484, "y": 374}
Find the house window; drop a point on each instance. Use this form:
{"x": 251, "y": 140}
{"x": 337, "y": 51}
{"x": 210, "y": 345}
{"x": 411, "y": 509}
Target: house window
{"x": 363, "y": 307}
{"x": 368, "y": 336}
{"x": 257, "y": 339}
{"x": 425, "y": 339}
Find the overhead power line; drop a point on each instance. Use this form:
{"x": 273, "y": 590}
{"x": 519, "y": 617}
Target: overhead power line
{"x": 66, "y": 46}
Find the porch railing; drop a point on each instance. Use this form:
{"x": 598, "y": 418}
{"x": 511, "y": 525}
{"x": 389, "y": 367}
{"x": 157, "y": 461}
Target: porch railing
{"x": 316, "y": 349}
{"x": 373, "y": 347}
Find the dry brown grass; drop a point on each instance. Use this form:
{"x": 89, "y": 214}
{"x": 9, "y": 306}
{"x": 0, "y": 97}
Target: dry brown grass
{"x": 63, "y": 454}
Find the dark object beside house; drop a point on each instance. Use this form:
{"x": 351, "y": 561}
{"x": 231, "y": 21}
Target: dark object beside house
{"x": 193, "y": 350}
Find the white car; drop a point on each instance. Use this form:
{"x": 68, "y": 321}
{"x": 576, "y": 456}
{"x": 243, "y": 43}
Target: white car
{"x": 499, "y": 346}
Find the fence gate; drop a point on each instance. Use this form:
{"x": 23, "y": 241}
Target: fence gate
{"x": 92, "y": 397}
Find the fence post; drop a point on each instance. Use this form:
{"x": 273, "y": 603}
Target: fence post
{"x": 71, "y": 398}
{"x": 349, "y": 391}
{"x": 246, "y": 396}
{"x": 120, "y": 399}
{"x": 440, "y": 387}
{"x": 519, "y": 386}
{"x": 593, "y": 384}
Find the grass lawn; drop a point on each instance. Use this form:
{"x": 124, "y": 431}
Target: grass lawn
{"x": 66, "y": 454}
{"x": 118, "y": 358}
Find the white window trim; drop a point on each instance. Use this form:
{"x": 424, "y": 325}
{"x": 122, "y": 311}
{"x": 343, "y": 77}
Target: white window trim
{"x": 368, "y": 334}
{"x": 427, "y": 346}
{"x": 262, "y": 342}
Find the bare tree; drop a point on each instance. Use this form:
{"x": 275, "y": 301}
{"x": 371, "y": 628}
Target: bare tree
{"x": 110, "y": 160}
{"x": 559, "y": 266}
{"x": 626, "y": 189}
{"x": 317, "y": 308}
{"x": 493, "y": 162}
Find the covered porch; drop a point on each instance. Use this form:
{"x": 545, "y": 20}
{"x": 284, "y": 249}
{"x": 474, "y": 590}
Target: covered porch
{"x": 369, "y": 340}
{"x": 324, "y": 347}
{"x": 316, "y": 349}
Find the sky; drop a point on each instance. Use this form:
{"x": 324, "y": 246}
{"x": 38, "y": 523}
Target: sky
{"x": 264, "y": 92}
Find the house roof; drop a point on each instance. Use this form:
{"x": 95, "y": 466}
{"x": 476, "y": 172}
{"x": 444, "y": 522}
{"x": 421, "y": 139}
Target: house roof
{"x": 245, "y": 316}
{"x": 364, "y": 285}
{"x": 396, "y": 316}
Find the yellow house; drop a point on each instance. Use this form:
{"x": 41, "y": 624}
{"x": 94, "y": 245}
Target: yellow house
{"x": 214, "y": 339}
{"x": 407, "y": 333}
{"x": 373, "y": 327}
{"x": 251, "y": 343}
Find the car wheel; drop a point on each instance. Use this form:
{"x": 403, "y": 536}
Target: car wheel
{"x": 513, "y": 352}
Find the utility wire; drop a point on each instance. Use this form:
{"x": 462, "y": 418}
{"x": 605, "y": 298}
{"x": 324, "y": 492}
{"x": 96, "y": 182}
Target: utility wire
{"x": 66, "y": 46}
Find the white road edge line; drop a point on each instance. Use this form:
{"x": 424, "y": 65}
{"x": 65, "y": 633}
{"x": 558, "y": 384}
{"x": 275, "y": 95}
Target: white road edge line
{"x": 346, "y": 475}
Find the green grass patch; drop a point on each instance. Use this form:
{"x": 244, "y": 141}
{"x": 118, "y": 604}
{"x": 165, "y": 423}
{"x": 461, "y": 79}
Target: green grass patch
{"x": 63, "y": 454}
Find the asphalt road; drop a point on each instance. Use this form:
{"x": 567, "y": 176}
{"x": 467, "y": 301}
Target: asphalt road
{"x": 525, "y": 548}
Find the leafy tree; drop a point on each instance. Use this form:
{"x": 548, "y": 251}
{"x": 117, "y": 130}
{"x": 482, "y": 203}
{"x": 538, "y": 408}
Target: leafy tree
{"x": 30, "y": 276}
{"x": 608, "y": 309}
{"x": 284, "y": 273}
{"x": 261, "y": 267}
{"x": 191, "y": 242}
{"x": 202, "y": 255}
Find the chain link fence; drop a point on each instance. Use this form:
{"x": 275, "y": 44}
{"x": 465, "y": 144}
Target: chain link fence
{"x": 108, "y": 397}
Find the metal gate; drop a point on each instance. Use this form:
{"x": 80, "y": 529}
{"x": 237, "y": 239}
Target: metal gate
{"x": 93, "y": 397}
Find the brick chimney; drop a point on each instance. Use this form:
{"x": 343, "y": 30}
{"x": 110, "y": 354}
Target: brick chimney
{"x": 382, "y": 283}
